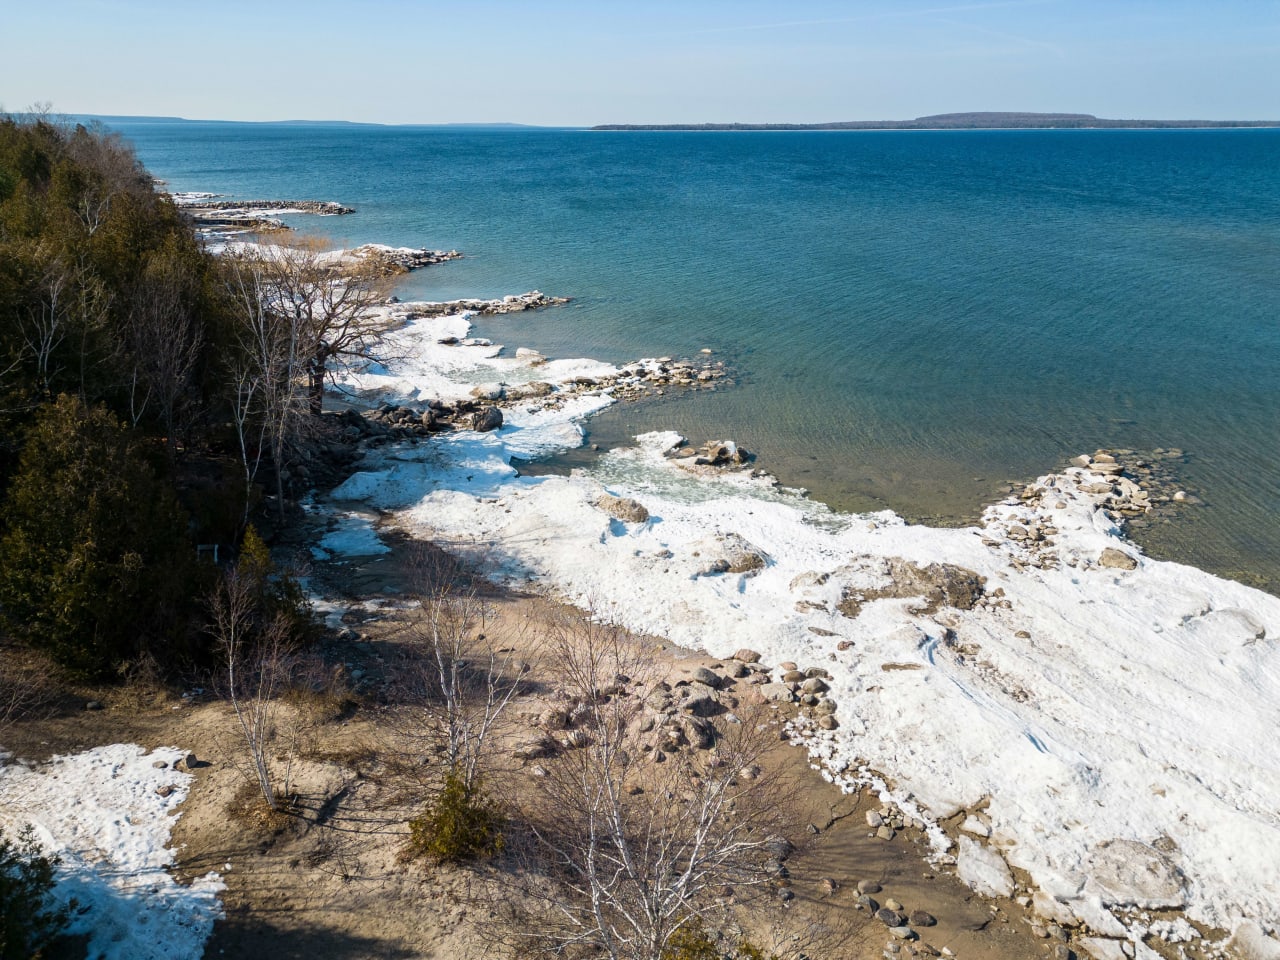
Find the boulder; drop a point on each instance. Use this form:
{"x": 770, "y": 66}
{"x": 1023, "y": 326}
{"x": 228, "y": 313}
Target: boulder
{"x": 708, "y": 678}
{"x": 537, "y": 388}
{"x": 623, "y": 508}
{"x": 485, "y": 419}
{"x": 891, "y": 918}
{"x": 700, "y": 734}
{"x": 778, "y": 692}
{"x": 723, "y": 453}
{"x": 729, "y": 553}
{"x": 702, "y": 705}
{"x": 1117, "y": 559}
{"x": 940, "y": 584}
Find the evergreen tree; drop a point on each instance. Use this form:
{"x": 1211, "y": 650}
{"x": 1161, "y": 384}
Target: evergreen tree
{"x": 94, "y": 564}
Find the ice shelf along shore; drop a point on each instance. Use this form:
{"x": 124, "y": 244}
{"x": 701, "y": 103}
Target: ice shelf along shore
{"x": 1109, "y": 719}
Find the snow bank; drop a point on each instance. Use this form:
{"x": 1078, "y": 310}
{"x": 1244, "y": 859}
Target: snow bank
{"x": 107, "y": 813}
{"x": 1121, "y": 722}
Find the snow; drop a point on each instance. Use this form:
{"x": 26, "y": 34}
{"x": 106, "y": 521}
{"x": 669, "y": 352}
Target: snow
{"x": 100, "y": 812}
{"x": 352, "y": 536}
{"x": 426, "y": 367}
{"x": 1121, "y": 723}
{"x": 983, "y": 869}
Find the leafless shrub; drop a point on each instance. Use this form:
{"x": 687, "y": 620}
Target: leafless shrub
{"x": 320, "y": 691}
{"x": 25, "y": 689}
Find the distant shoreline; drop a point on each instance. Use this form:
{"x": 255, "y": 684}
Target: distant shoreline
{"x": 965, "y": 121}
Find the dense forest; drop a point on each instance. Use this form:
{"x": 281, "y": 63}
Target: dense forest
{"x": 142, "y": 384}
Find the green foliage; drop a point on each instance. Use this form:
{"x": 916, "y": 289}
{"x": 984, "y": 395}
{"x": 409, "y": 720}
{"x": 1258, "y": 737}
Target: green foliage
{"x": 693, "y": 942}
{"x": 84, "y": 240}
{"x": 462, "y": 823}
{"x": 276, "y": 593}
{"x": 749, "y": 951}
{"x": 28, "y": 922}
{"x": 94, "y": 564}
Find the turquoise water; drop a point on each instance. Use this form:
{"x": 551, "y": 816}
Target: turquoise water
{"x": 917, "y": 317}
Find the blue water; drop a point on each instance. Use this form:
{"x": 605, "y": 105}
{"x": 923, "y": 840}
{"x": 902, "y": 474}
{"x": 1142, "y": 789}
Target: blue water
{"x": 917, "y": 317}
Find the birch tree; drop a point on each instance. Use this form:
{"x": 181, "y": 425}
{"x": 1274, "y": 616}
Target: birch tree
{"x": 256, "y": 663}
{"x": 460, "y": 681}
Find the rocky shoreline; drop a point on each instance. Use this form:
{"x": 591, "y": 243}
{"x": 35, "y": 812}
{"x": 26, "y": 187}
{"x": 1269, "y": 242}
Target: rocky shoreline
{"x": 1035, "y": 531}
{"x": 208, "y": 204}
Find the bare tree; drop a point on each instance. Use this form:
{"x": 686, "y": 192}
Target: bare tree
{"x": 165, "y": 344}
{"x": 47, "y": 324}
{"x": 266, "y": 369}
{"x": 328, "y": 298}
{"x": 296, "y": 309}
{"x": 632, "y": 839}
{"x": 256, "y": 663}
{"x": 460, "y": 680}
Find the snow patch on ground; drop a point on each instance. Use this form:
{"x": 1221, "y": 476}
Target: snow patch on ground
{"x": 353, "y": 536}
{"x": 101, "y": 813}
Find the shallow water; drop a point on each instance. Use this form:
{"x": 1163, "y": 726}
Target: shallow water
{"x": 916, "y": 317}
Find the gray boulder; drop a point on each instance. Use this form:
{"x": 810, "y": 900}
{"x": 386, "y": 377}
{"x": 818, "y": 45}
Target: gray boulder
{"x": 486, "y": 419}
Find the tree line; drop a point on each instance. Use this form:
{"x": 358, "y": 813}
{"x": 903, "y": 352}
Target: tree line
{"x": 152, "y": 396}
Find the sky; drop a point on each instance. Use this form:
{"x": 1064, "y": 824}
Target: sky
{"x": 582, "y": 62}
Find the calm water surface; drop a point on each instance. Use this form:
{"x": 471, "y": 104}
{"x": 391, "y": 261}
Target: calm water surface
{"x": 917, "y": 317}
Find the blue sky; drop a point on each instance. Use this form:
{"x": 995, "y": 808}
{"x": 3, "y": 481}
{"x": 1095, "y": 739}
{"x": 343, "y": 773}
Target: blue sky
{"x": 573, "y": 62}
